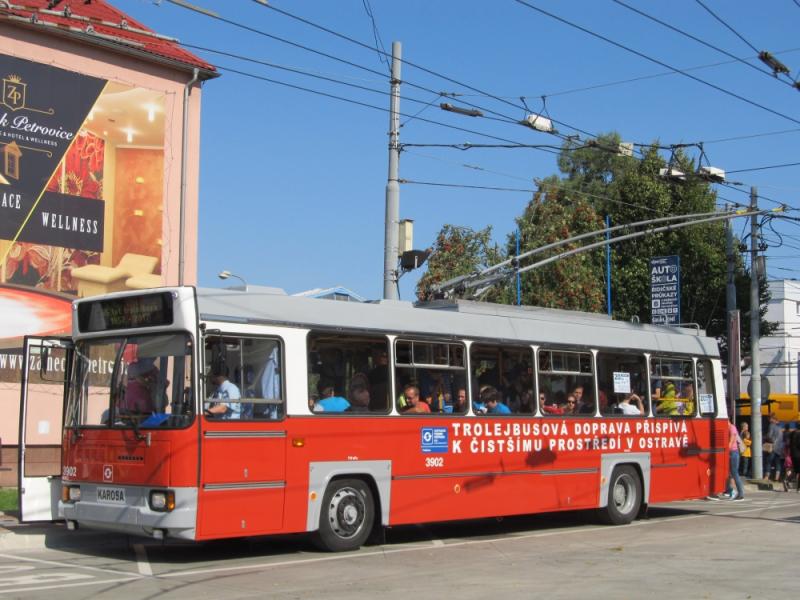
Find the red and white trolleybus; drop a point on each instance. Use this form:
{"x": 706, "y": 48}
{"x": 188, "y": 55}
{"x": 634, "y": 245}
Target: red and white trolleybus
{"x": 207, "y": 413}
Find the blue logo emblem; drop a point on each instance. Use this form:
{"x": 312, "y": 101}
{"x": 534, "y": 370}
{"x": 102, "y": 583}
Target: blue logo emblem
{"x": 434, "y": 440}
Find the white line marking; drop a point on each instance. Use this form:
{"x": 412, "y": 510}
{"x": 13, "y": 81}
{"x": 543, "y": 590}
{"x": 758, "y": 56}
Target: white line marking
{"x": 141, "y": 560}
{"x": 65, "y": 585}
{"x": 68, "y": 565}
{"x": 416, "y": 547}
{"x": 437, "y": 543}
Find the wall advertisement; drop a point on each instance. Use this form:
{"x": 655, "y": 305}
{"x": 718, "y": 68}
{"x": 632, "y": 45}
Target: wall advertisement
{"x": 81, "y": 201}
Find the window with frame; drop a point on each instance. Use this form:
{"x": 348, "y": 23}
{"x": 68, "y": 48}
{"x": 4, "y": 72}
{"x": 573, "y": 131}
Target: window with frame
{"x": 502, "y": 379}
{"x": 706, "y": 398}
{"x": 430, "y": 377}
{"x": 672, "y": 386}
{"x": 566, "y": 382}
{"x": 243, "y": 378}
{"x": 348, "y": 373}
{"x": 622, "y": 384}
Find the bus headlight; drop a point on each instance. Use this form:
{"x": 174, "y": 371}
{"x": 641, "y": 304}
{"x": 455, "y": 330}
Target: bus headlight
{"x": 70, "y": 493}
{"x": 162, "y": 500}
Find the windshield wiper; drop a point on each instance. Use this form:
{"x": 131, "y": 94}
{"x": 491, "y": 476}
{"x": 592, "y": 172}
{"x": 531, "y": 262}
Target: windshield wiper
{"x": 134, "y": 425}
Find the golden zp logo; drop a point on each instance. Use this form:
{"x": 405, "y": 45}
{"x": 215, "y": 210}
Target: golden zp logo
{"x": 14, "y": 92}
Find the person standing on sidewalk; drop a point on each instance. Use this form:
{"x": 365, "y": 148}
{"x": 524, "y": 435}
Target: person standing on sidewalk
{"x": 774, "y": 455}
{"x": 794, "y": 452}
{"x": 744, "y": 467}
{"x": 733, "y": 477}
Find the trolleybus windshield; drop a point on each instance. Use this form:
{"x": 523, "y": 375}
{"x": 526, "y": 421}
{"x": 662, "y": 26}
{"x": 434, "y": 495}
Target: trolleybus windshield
{"x": 139, "y": 382}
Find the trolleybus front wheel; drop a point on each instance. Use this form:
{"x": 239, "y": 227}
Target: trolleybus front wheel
{"x": 624, "y": 496}
{"x": 347, "y": 516}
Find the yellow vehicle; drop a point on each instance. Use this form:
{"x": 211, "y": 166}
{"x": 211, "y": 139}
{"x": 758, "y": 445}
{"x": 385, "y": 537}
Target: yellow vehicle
{"x": 783, "y": 406}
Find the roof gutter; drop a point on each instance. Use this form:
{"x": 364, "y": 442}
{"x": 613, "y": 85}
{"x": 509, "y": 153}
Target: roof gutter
{"x": 184, "y": 162}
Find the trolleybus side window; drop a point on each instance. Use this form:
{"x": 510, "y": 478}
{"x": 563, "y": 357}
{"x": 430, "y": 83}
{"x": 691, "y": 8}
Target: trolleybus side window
{"x": 672, "y": 386}
{"x": 566, "y": 382}
{"x": 348, "y": 373}
{"x": 706, "y": 398}
{"x": 430, "y": 377}
{"x": 622, "y": 381}
{"x": 244, "y": 378}
{"x": 141, "y": 381}
{"x": 509, "y": 370}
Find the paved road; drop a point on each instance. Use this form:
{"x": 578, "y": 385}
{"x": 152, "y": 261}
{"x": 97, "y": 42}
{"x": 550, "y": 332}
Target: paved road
{"x": 700, "y": 549}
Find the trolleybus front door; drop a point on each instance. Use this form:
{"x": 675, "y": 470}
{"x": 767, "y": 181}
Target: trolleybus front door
{"x": 45, "y": 368}
{"x": 243, "y": 478}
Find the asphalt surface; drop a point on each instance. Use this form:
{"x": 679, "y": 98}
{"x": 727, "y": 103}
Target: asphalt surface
{"x": 698, "y": 549}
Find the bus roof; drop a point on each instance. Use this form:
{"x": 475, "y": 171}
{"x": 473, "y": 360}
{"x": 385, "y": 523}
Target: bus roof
{"x": 463, "y": 319}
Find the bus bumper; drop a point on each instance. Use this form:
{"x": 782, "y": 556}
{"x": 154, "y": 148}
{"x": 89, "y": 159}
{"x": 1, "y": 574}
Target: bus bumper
{"x": 126, "y": 509}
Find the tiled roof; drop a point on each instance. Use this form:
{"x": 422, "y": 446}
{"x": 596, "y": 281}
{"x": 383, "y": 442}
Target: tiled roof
{"x": 99, "y": 23}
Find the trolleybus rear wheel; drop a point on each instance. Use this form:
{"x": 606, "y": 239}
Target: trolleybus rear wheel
{"x": 624, "y": 496}
{"x": 347, "y": 515}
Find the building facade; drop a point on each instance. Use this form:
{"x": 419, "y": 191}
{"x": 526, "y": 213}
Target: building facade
{"x": 99, "y": 160}
{"x": 780, "y": 352}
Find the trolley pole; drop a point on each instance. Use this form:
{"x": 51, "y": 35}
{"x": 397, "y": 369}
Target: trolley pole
{"x": 755, "y": 322}
{"x": 392, "y": 221}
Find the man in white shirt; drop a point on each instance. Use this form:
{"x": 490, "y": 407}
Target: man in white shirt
{"x": 629, "y": 409}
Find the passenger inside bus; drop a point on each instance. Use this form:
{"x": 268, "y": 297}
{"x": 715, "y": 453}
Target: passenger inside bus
{"x": 329, "y": 401}
{"x": 490, "y": 397}
{"x": 631, "y": 404}
{"x": 221, "y": 404}
{"x": 347, "y": 363}
{"x": 358, "y": 398}
{"x": 141, "y": 390}
{"x": 411, "y": 403}
{"x": 585, "y": 404}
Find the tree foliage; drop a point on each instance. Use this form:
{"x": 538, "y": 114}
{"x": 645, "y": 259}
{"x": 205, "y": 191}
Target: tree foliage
{"x": 569, "y": 283}
{"x": 597, "y": 182}
{"x": 457, "y": 251}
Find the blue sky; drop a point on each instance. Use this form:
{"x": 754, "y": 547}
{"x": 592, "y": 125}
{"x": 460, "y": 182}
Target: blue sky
{"x": 292, "y": 183}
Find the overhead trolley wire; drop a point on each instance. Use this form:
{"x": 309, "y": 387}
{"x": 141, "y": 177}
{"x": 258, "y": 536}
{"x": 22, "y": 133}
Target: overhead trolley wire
{"x": 414, "y": 65}
{"x": 504, "y": 117}
{"x": 765, "y": 168}
{"x": 700, "y": 41}
{"x": 731, "y": 29}
{"x": 656, "y": 61}
{"x": 365, "y": 104}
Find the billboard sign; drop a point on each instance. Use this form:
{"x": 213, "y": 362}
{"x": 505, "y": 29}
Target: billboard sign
{"x": 665, "y": 290}
{"x": 39, "y": 122}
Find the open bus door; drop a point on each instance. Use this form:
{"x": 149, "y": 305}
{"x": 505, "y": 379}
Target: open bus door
{"x": 46, "y": 364}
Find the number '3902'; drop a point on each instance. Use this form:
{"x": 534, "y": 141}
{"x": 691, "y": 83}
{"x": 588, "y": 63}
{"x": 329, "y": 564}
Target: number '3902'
{"x": 68, "y": 472}
{"x": 434, "y": 461}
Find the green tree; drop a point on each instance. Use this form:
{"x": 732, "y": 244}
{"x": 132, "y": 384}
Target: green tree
{"x": 598, "y": 181}
{"x": 569, "y": 283}
{"x": 457, "y": 251}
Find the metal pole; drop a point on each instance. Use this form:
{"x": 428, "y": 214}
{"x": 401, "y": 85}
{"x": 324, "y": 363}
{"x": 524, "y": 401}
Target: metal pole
{"x": 608, "y": 264}
{"x": 392, "y": 221}
{"x": 734, "y": 369}
{"x": 519, "y": 279}
{"x": 755, "y": 322}
{"x": 184, "y": 163}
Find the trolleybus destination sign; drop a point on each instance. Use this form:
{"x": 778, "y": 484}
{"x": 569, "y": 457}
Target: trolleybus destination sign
{"x": 665, "y": 290}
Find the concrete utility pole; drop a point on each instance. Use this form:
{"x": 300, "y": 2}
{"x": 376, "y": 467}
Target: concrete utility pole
{"x": 392, "y": 221}
{"x": 755, "y": 322}
{"x": 734, "y": 368}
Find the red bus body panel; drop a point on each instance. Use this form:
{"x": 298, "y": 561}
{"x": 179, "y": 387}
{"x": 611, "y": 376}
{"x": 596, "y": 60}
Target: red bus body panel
{"x": 260, "y": 485}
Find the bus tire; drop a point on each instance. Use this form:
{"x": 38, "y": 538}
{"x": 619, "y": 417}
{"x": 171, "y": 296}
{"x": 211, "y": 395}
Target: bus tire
{"x": 624, "y": 496}
{"x": 346, "y": 517}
